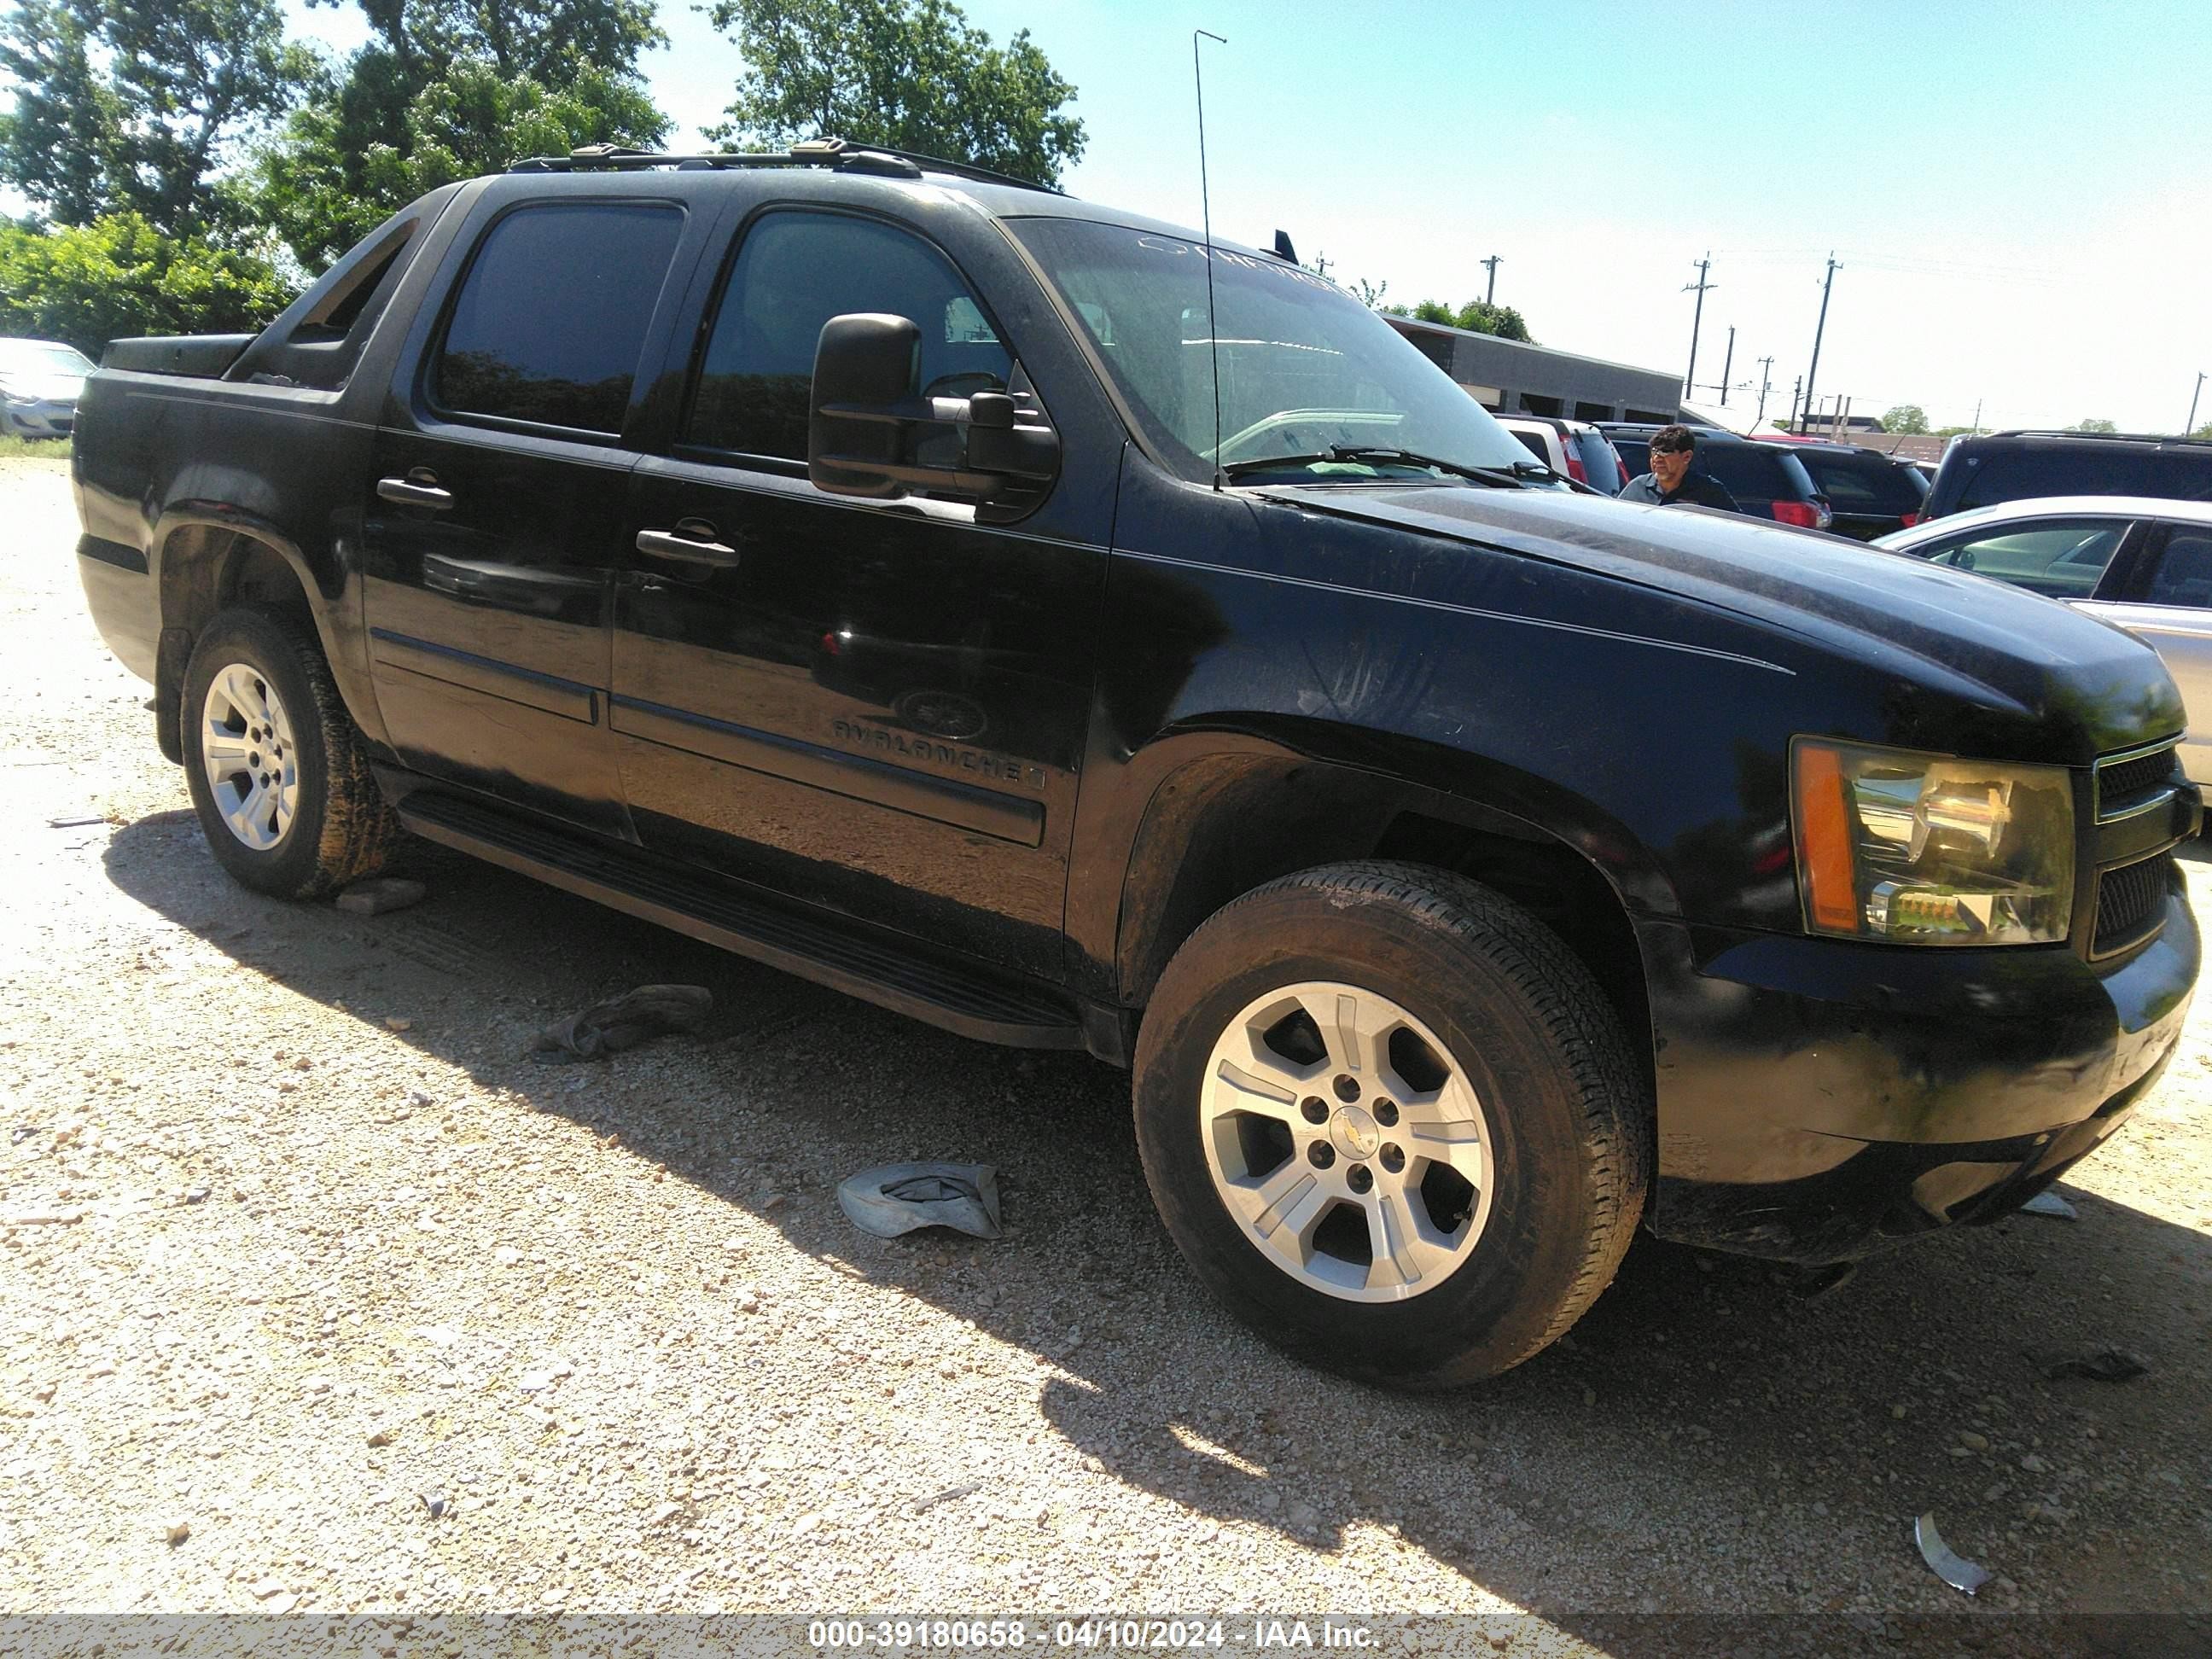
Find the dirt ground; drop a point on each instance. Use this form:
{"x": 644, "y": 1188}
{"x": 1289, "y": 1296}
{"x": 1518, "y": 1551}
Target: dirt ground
{"x": 303, "y": 1254}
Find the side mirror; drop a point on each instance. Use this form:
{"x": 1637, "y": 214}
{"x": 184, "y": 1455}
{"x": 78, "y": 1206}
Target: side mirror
{"x": 870, "y": 433}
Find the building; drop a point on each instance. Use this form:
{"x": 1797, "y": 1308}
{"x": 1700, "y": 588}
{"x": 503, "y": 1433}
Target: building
{"x": 1511, "y": 377}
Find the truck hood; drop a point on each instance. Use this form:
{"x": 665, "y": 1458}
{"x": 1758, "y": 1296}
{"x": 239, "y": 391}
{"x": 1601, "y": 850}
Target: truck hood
{"x": 1939, "y": 628}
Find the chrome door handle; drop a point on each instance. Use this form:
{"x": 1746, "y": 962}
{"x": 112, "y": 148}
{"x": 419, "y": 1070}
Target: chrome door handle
{"x": 691, "y": 542}
{"x": 418, "y": 488}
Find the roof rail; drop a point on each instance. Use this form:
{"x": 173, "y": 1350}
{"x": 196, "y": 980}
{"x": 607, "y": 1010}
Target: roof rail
{"x": 838, "y": 153}
{"x": 2121, "y": 437}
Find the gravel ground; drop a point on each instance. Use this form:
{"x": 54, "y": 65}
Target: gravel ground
{"x": 300, "y": 1246}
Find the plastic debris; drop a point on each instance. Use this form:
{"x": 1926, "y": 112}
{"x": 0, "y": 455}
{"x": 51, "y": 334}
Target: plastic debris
{"x": 2106, "y": 1365}
{"x": 901, "y": 1197}
{"x": 623, "y": 1021}
{"x": 2049, "y": 1203}
{"x": 379, "y": 894}
{"x": 435, "y": 1501}
{"x": 1947, "y": 1563}
{"x": 76, "y": 822}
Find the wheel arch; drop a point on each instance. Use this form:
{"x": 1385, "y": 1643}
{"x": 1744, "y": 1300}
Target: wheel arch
{"x": 1224, "y": 813}
{"x": 204, "y": 561}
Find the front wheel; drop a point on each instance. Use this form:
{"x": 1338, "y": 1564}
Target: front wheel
{"x": 1392, "y": 1122}
{"x": 275, "y": 765}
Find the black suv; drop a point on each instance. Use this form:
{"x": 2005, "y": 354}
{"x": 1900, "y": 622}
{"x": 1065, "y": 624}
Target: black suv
{"x": 839, "y": 556}
{"x": 1767, "y": 480}
{"x": 2008, "y": 466}
{"x": 1869, "y": 494}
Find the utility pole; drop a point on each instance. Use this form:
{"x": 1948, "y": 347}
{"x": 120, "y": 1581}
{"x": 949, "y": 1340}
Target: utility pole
{"x": 1728, "y": 363}
{"x": 2191, "y": 425}
{"x": 1690, "y": 381}
{"x": 1491, "y": 293}
{"x": 1813, "y": 369}
{"x": 1978, "y": 417}
{"x": 1766, "y": 385}
{"x": 1793, "y": 392}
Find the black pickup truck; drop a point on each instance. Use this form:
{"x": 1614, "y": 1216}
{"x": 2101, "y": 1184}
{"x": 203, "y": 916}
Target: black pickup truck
{"x": 934, "y": 587}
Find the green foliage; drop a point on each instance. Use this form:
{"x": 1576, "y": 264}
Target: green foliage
{"x": 1474, "y": 316}
{"x": 1909, "y": 418}
{"x": 1953, "y": 431}
{"x": 135, "y": 105}
{"x": 2094, "y": 423}
{"x": 448, "y": 89}
{"x": 38, "y": 449}
{"x": 119, "y": 276}
{"x": 908, "y": 74}
{"x": 2204, "y": 431}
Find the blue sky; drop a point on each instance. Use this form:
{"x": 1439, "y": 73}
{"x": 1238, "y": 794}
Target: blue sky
{"x": 2020, "y": 195}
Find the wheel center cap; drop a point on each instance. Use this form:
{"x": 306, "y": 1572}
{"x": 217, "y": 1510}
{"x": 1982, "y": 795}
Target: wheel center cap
{"x": 1355, "y": 1133}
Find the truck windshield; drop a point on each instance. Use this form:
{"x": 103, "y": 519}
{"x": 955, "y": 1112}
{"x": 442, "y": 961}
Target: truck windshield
{"x": 1305, "y": 368}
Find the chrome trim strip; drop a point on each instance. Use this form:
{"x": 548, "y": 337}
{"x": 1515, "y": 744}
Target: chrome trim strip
{"x": 2144, "y": 751}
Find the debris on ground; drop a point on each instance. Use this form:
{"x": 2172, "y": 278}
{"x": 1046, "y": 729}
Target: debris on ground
{"x": 75, "y": 822}
{"x": 901, "y": 1197}
{"x": 433, "y": 1501}
{"x": 1948, "y": 1564}
{"x": 623, "y": 1021}
{"x": 380, "y": 893}
{"x": 178, "y": 1531}
{"x": 2105, "y": 1366}
{"x": 2050, "y": 1204}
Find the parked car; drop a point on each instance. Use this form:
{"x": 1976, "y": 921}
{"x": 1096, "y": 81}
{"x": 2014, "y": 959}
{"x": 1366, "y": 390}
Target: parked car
{"x": 1467, "y": 870}
{"x": 1573, "y": 449}
{"x": 40, "y": 381}
{"x": 2010, "y": 466}
{"x": 1869, "y": 495}
{"x": 1767, "y": 479}
{"x": 2139, "y": 563}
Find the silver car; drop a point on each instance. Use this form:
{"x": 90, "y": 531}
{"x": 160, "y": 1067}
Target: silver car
{"x": 40, "y": 381}
{"x": 2139, "y": 563}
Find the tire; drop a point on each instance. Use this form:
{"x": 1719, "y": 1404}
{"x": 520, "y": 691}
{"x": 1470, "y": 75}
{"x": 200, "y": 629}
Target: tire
{"x": 256, "y": 679}
{"x": 1492, "y": 1066}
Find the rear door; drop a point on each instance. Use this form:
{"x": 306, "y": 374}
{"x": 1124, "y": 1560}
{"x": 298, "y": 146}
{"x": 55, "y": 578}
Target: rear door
{"x": 1871, "y": 494}
{"x": 2166, "y": 600}
{"x": 876, "y": 707}
{"x": 494, "y": 516}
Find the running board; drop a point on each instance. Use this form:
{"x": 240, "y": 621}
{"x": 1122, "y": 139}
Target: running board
{"x": 844, "y": 957}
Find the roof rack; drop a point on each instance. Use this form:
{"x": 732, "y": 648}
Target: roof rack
{"x": 2121, "y": 437}
{"x": 836, "y": 152}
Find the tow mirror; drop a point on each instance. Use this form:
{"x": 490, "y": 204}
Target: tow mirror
{"x": 871, "y": 432}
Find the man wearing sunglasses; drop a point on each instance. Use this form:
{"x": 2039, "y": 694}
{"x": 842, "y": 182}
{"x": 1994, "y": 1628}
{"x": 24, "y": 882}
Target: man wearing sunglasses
{"x": 1676, "y": 476}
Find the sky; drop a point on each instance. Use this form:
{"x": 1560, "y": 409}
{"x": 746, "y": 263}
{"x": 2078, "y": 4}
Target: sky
{"x": 2018, "y": 195}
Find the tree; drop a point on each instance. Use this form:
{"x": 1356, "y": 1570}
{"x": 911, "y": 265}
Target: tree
{"x": 1905, "y": 417}
{"x": 138, "y": 104}
{"x": 449, "y": 88}
{"x": 2094, "y": 423}
{"x": 119, "y": 276}
{"x": 2204, "y": 431}
{"x": 1474, "y": 316}
{"x": 907, "y": 74}
{"x": 1953, "y": 431}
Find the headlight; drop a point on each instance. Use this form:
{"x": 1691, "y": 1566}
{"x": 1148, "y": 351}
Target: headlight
{"x": 1924, "y": 849}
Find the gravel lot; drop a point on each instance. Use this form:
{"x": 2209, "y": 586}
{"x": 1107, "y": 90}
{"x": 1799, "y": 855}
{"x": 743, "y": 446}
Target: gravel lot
{"x": 297, "y": 1234}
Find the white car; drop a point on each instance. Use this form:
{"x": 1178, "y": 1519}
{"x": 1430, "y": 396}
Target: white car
{"x": 1573, "y": 449}
{"x": 40, "y": 381}
{"x": 2137, "y": 560}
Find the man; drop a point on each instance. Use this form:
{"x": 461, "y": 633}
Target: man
{"x": 1674, "y": 476}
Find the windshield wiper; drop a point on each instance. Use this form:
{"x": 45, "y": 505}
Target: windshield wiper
{"x": 1496, "y": 477}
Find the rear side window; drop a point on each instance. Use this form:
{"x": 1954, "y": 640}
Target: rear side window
{"x": 1533, "y": 442}
{"x": 553, "y": 313}
{"x": 793, "y": 273}
{"x": 2183, "y": 576}
{"x": 1865, "y": 483}
{"x": 2064, "y": 558}
{"x": 2092, "y": 468}
{"x": 1752, "y": 474}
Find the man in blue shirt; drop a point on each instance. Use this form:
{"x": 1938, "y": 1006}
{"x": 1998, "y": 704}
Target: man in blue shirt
{"x": 1676, "y": 476}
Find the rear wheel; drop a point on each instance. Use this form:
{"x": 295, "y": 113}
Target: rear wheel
{"x": 276, "y": 768}
{"x": 1392, "y": 1122}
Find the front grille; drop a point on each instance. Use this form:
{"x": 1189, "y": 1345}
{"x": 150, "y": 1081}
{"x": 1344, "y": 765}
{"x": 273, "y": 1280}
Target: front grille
{"x": 2131, "y": 904}
{"x": 2120, "y": 782}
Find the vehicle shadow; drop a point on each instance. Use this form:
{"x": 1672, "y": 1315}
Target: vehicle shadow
{"x": 1706, "y": 1413}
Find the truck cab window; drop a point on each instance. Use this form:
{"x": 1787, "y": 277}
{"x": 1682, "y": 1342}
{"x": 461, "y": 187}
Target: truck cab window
{"x": 553, "y": 313}
{"x": 794, "y": 273}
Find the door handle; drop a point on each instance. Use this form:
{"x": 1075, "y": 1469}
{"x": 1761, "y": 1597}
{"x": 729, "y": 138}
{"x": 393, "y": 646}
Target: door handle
{"x": 691, "y": 542}
{"x": 418, "y": 488}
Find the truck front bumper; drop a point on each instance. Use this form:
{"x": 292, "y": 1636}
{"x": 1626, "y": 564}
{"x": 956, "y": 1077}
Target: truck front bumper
{"x": 1818, "y": 1099}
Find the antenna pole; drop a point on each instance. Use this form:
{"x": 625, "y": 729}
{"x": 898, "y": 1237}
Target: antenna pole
{"x": 1206, "y": 208}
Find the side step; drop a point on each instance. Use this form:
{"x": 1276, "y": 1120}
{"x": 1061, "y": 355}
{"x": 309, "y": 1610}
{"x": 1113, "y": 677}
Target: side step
{"x": 959, "y": 999}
